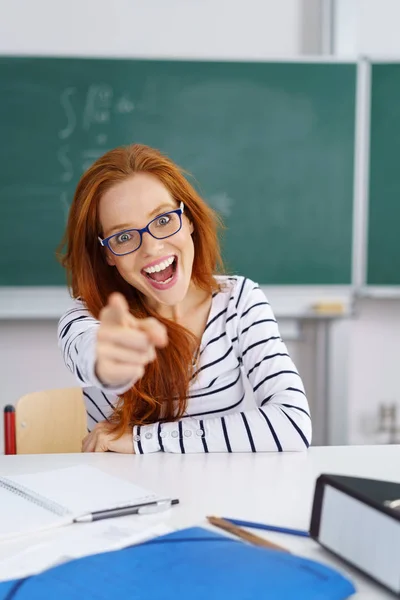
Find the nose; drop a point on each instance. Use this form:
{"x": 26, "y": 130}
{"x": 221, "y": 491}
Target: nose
{"x": 151, "y": 246}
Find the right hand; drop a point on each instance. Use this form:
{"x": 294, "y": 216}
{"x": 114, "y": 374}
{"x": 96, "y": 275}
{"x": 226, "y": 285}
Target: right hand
{"x": 125, "y": 345}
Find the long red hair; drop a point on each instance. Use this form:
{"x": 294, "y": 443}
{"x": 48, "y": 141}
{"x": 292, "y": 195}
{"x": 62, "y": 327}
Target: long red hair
{"x": 161, "y": 394}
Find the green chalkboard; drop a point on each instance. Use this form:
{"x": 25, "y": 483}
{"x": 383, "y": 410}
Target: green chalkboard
{"x": 271, "y": 145}
{"x": 384, "y": 190}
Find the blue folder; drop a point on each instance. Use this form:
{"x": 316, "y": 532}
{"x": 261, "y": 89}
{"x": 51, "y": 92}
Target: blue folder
{"x": 195, "y": 564}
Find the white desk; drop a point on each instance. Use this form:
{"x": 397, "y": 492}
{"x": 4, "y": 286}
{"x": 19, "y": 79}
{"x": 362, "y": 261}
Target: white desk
{"x": 271, "y": 488}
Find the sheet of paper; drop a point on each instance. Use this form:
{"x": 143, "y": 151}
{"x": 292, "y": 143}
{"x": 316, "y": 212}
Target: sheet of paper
{"x": 80, "y": 540}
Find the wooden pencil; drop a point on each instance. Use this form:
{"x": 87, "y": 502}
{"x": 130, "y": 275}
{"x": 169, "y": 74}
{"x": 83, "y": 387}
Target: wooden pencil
{"x": 243, "y": 534}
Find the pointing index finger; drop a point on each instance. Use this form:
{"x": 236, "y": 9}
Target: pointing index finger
{"x": 156, "y": 331}
{"x": 116, "y": 312}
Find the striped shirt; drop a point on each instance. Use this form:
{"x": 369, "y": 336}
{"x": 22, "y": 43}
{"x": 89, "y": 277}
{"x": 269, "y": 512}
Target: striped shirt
{"x": 246, "y": 395}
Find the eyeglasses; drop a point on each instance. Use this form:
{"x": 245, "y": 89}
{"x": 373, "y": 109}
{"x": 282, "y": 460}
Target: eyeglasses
{"x": 129, "y": 240}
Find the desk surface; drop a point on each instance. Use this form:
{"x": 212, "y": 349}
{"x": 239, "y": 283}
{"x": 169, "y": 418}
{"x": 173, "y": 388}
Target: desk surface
{"x": 271, "y": 488}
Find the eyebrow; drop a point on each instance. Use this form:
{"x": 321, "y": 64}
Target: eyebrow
{"x": 157, "y": 211}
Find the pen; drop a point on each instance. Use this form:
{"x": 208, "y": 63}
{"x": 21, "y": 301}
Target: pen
{"x": 146, "y": 508}
{"x": 299, "y": 532}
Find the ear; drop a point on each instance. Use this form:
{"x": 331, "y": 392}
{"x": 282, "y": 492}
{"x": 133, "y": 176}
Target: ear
{"x": 110, "y": 258}
{"x": 191, "y": 227}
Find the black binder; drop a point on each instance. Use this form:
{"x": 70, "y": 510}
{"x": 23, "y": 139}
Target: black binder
{"x": 359, "y": 520}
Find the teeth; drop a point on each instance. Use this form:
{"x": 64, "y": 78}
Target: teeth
{"x": 161, "y": 266}
{"x": 166, "y": 281}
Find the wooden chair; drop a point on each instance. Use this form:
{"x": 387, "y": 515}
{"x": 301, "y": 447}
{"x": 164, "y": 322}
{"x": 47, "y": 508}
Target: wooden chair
{"x": 50, "y": 422}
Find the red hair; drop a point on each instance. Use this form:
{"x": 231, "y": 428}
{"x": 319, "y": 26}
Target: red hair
{"x": 155, "y": 396}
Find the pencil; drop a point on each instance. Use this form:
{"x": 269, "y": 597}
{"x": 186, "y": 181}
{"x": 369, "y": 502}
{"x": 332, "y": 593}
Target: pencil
{"x": 243, "y": 534}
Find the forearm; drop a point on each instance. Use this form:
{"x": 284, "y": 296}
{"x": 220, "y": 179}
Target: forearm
{"x": 270, "y": 428}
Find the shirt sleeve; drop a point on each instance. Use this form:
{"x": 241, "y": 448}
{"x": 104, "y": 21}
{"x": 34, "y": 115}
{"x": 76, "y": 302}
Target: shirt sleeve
{"x": 281, "y": 419}
{"x": 77, "y": 334}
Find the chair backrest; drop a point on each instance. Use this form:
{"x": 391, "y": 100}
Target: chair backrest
{"x": 50, "y": 421}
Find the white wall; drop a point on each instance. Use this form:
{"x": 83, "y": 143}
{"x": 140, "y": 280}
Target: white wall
{"x": 152, "y": 28}
{"x": 255, "y": 29}
{"x": 374, "y": 370}
{"x": 32, "y": 359}
{"x": 367, "y": 27}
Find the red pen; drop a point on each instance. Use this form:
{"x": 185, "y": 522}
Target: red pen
{"x": 9, "y": 430}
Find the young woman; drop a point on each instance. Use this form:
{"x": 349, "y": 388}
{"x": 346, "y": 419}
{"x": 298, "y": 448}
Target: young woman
{"x": 162, "y": 346}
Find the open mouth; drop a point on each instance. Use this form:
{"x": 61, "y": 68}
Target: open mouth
{"x": 165, "y": 273}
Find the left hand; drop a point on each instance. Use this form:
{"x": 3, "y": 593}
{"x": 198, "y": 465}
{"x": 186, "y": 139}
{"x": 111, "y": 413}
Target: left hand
{"x": 100, "y": 439}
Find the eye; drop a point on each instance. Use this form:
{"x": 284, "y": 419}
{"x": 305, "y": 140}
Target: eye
{"x": 163, "y": 220}
{"x": 123, "y": 237}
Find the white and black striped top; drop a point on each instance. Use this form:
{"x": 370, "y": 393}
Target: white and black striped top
{"x": 246, "y": 396}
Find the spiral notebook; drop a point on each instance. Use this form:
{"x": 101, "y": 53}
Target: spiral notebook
{"x": 37, "y": 501}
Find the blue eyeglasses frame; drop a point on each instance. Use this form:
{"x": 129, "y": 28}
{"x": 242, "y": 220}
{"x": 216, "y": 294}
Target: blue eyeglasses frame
{"x": 106, "y": 241}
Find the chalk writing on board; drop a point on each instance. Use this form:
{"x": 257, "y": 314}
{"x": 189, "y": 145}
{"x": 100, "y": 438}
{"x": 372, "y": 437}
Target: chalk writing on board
{"x": 222, "y": 203}
{"x": 124, "y": 105}
{"x": 65, "y": 100}
{"x": 66, "y": 163}
{"x": 100, "y": 106}
{"x": 97, "y": 106}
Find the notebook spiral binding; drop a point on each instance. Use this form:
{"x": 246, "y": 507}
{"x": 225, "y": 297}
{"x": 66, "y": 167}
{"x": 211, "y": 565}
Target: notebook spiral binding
{"x": 41, "y": 501}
